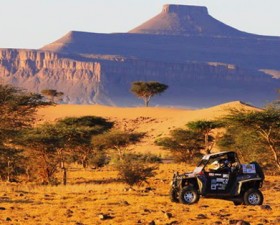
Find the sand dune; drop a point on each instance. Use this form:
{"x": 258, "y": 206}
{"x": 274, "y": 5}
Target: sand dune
{"x": 155, "y": 122}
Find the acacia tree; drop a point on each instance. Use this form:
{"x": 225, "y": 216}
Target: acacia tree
{"x": 49, "y": 146}
{"x": 41, "y": 148}
{"x": 263, "y": 123}
{"x": 206, "y": 128}
{"x": 184, "y": 144}
{"x": 52, "y": 94}
{"x": 78, "y": 133}
{"x": 146, "y": 90}
{"x": 117, "y": 140}
{"x": 17, "y": 112}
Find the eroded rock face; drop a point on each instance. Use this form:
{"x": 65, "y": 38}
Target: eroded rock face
{"x": 107, "y": 80}
{"x": 204, "y": 62}
{"x": 38, "y": 70}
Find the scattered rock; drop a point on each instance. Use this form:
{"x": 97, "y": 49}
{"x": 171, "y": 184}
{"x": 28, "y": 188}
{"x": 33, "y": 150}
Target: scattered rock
{"x": 8, "y": 219}
{"x": 79, "y": 223}
{"x": 104, "y": 216}
{"x": 152, "y": 223}
{"x": 242, "y": 222}
{"x": 69, "y": 213}
{"x": 204, "y": 206}
{"x": 238, "y": 222}
{"x": 264, "y": 221}
{"x": 168, "y": 215}
{"x": 201, "y": 216}
{"x": 265, "y": 207}
{"x": 128, "y": 189}
{"x": 174, "y": 222}
{"x": 147, "y": 210}
{"x": 148, "y": 189}
{"x": 225, "y": 215}
{"x": 217, "y": 223}
{"x": 124, "y": 203}
{"x": 21, "y": 194}
{"x": 2, "y": 208}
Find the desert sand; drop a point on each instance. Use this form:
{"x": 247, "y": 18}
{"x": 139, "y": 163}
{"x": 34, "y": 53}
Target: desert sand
{"x": 96, "y": 196}
{"x": 154, "y": 121}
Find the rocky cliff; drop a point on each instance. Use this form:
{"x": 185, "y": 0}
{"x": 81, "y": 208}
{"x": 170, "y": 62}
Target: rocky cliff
{"x": 38, "y": 70}
{"x": 203, "y": 61}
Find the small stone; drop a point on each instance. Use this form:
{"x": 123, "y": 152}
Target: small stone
{"x": 217, "y": 223}
{"x": 168, "y": 215}
{"x": 8, "y": 219}
{"x": 2, "y": 208}
{"x": 78, "y": 223}
{"x": 264, "y": 221}
{"x": 104, "y": 216}
{"x": 242, "y": 222}
{"x": 265, "y": 207}
{"x": 174, "y": 222}
{"x": 152, "y": 223}
{"x": 124, "y": 203}
{"x": 201, "y": 216}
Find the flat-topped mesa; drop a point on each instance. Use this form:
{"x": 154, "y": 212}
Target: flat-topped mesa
{"x": 186, "y": 20}
{"x": 184, "y": 9}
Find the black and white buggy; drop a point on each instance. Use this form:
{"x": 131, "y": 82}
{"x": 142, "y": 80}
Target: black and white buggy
{"x": 220, "y": 176}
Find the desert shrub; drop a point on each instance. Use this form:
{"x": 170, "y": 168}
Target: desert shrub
{"x": 255, "y": 134}
{"x": 133, "y": 172}
{"x": 99, "y": 159}
{"x": 144, "y": 158}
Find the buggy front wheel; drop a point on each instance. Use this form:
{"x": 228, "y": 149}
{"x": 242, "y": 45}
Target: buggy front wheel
{"x": 188, "y": 195}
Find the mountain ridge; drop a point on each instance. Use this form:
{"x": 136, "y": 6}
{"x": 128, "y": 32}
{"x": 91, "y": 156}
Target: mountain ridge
{"x": 201, "y": 68}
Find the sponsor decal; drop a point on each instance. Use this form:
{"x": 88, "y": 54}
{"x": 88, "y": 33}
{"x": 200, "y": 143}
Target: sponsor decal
{"x": 213, "y": 187}
{"x": 248, "y": 168}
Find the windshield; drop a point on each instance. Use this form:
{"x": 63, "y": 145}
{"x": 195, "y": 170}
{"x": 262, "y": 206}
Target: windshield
{"x": 202, "y": 163}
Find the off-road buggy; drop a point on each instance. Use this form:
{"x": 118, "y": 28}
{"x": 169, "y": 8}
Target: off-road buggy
{"x": 220, "y": 176}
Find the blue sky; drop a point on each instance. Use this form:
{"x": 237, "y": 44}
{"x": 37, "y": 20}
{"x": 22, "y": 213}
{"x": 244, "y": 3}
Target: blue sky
{"x": 34, "y": 23}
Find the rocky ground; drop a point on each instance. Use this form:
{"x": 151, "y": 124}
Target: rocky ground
{"x": 98, "y": 197}
{"x": 95, "y": 197}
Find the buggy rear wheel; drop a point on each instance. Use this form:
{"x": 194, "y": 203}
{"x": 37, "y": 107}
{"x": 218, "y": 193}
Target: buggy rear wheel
{"x": 253, "y": 197}
{"x": 188, "y": 195}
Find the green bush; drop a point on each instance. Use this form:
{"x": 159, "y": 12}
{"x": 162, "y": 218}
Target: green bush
{"x": 133, "y": 171}
{"x": 98, "y": 160}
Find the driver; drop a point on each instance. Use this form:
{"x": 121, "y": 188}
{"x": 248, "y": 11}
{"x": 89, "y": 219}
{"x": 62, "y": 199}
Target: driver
{"x": 221, "y": 165}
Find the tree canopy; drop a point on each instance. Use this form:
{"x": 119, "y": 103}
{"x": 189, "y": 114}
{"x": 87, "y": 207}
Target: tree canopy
{"x": 17, "y": 112}
{"x": 205, "y": 127}
{"x": 146, "y": 90}
{"x": 263, "y": 124}
{"x": 184, "y": 144}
